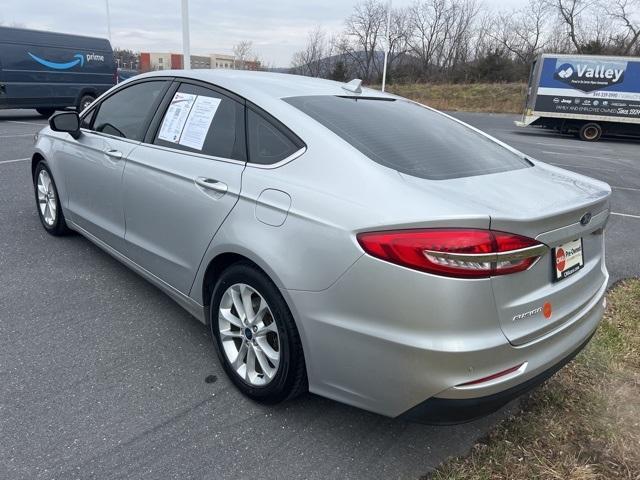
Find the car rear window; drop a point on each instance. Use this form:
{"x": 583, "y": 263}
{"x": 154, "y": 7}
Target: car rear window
{"x": 408, "y": 137}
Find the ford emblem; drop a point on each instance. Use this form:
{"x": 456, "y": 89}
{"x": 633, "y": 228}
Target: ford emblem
{"x": 586, "y": 218}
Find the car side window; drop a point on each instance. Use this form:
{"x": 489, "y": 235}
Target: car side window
{"x": 126, "y": 113}
{"x": 202, "y": 120}
{"x": 267, "y": 141}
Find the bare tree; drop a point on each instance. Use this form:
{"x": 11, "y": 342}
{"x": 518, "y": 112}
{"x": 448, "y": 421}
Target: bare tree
{"x": 428, "y": 25}
{"x": 627, "y": 12}
{"x": 398, "y": 36}
{"x": 522, "y": 32}
{"x": 363, "y": 36}
{"x": 242, "y": 51}
{"x": 312, "y": 60}
{"x": 441, "y": 32}
{"x": 457, "y": 40}
{"x": 570, "y": 12}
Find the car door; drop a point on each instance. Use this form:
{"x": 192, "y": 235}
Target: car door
{"x": 94, "y": 163}
{"x": 180, "y": 184}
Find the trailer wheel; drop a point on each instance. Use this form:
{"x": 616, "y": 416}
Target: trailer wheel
{"x": 590, "y": 132}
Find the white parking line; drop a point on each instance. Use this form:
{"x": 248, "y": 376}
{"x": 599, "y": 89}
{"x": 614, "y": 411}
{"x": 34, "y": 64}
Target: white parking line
{"x": 626, "y": 188}
{"x": 544, "y": 144}
{"x": 625, "y": 215}
{"x": 15, "y": 160}
{"x": 576, "y": 155}
{"x": 26, "y": 123}
{"x": 580, "y": 166}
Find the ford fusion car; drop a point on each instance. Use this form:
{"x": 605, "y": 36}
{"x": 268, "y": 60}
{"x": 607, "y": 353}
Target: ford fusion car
{"x": 336, "y": 239}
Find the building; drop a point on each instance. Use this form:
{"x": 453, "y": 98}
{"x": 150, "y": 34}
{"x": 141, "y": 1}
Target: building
{"x": 150, "y": 61}
{"x": 222, "y": 61}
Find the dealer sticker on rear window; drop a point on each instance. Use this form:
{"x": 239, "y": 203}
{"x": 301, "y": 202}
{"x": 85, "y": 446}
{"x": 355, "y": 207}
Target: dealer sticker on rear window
{"x": 568, "y": 259}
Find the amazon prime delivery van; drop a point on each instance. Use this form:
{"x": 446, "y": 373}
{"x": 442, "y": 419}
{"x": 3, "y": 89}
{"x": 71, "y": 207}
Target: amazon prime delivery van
{"x": 584, "y": 94}
{"x": 49, "y": 71}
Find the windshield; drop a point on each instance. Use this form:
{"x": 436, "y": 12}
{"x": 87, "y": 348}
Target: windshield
{"x": 408, "y": 137}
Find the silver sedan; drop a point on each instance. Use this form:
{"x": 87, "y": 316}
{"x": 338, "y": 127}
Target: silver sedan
{"x": 336, "y": 239}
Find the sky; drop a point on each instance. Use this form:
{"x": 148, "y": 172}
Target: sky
{"x": 277, "y": 28}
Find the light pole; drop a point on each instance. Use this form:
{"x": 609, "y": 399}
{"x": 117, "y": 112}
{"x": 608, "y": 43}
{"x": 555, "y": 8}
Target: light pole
{"x": 386, "y": 50}
{"x": 108, "y": 20}
{"x": 186, "y": 48}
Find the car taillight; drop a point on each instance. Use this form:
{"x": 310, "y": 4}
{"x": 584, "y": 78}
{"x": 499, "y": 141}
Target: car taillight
{"x": 466, "y": 253}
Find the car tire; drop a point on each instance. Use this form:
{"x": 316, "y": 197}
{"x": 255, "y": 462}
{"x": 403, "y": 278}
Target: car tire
{"x": 84, "y": 102}
{"x": 46, "y": 112}
{"x": 590, "y": 132}
{"x": 48, "y": 201}
{"x": 274, "y": 383}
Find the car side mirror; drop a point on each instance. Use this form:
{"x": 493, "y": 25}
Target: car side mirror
{"x": 66, "y": 122}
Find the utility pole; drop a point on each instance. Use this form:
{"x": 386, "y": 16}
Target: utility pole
{"x": 186, "y": 48}
{"x": 386, "y": 50}
{"x": 108, "y": 20}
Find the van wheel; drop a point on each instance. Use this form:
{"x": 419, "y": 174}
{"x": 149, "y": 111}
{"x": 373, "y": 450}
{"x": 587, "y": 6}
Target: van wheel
{"x": 46, "y": 112}
{"x": 590, "y": 132}
{"x": 85, "y": 101}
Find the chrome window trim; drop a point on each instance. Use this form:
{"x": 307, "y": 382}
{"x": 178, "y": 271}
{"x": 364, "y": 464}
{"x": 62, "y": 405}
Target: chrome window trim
{"x": 107, "y": 135}
{"x": 284, "y": 161}
{"x": 195, "y": 154}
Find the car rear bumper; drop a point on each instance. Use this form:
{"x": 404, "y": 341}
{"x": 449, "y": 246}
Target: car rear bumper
{"x": 387, "y": 339}
{"x": 451, "y": 411}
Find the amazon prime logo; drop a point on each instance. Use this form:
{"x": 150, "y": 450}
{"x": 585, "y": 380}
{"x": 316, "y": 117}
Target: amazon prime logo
{"x": 79, "y": 59}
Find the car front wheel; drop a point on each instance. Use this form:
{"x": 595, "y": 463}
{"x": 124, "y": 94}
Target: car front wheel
{"x": 256, "y": 337}
{"x": 48, "y": 201}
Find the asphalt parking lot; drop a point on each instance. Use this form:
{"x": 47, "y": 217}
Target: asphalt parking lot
{"x": 102, "y": 376}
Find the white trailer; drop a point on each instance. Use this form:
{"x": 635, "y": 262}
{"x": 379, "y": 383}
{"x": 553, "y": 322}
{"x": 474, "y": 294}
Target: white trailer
{"x": 584, "y": 94}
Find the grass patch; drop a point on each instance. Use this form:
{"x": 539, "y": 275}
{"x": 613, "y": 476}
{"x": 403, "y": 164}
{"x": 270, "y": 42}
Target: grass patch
{"x": 473, "y": 97}
{"x": 584, "y": 423}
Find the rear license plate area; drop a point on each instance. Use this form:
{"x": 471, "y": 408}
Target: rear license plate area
{"x": 568, "y": 258}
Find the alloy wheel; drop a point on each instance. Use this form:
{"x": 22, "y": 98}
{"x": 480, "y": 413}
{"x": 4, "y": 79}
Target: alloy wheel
{"x": 46, "y": 198}
{"x": 249, "y": 334}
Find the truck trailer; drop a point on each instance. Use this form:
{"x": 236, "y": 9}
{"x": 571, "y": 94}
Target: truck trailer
{"x": 50, "y": 71}
{"x": 587, "y": 95}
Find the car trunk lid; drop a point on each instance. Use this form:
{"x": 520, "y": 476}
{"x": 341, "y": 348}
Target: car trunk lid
{"x": 547, "y": 204}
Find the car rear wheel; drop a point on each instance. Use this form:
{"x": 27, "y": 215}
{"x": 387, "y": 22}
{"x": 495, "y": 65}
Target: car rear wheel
{"x": 46, "y": 112}
{"x": 256, "y": 337}
{"x": 48, "y": 201}
{"x": 590, "y": 132}
{"x": 85, "y": 101}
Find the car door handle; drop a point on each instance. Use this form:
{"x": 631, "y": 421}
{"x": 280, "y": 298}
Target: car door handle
{"x": 115, "y": 154}
{"x": 212, "y": 184}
